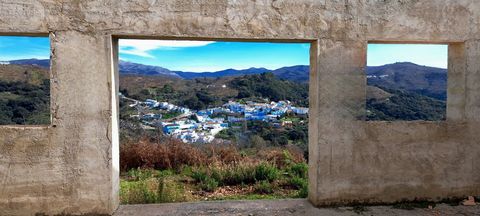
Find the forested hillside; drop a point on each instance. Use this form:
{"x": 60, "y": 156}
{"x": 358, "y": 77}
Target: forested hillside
{"x": 404, "y": 105}
{"x": 203, "y": 93}
{"x": 24, "y": 95}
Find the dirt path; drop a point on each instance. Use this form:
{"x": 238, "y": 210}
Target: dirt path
{"x": 283, "y": 208}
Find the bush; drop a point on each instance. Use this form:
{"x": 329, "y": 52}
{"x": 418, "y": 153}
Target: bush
{"x": 139, "y": 174}
{"x": 297, "y": 182}
{"x": 206, "y": 181}
{"x": 299, "y": 170}
{"x": 282, "y": 157}
{"x": 170, "y": 191}
{"x": 199, "y": 175}
{"x": 209, "y": 185}
{"x": 303, "y": 193}
{"x": 138, "y": 192}
{"x": 263, "y": 187}
{"x": 241, "y": 173}
{"x": 266, "y": 171}
{"x": 238, "y": 174}
{"x": 168, "y": 154}
{"x": 151, "y": 190}
{"x": 300, "y": 184}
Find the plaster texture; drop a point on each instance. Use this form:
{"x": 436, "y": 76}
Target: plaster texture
{"x": 71, "y": 166}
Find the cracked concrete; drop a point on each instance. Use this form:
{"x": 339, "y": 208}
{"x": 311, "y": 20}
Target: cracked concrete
{"x": 71, "y": 166}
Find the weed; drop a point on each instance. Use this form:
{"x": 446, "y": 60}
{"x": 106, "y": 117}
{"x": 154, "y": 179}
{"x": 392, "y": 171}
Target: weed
{"x": 238, "y": 174}
{"x": 170, "y": 191}
{"x": 266, "y": 171}
{"x": 263, "y": 187}
{"x": 137, "y": 192}
{"x": 199, "y": 175}
{"x": 297, "y": 182}
{"x": 303, "y": 192}
{"x": 139, "y": 174}
{"x": 209, "y": 185}
{"x": 299, "y": 169}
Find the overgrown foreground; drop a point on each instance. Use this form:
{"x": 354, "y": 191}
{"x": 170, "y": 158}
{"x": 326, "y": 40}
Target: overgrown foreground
{"x": 167, "y": 170}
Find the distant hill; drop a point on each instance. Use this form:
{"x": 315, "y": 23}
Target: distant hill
{"x": 146, "y": 70}
{"x": 298, "y": 73}
{"x": 403, "y": 76}
{"x": 222, "y": 73}
{"x": 400, "y": 91}
{"x": 428, "y": 81}
{"x": 45, "y": 63}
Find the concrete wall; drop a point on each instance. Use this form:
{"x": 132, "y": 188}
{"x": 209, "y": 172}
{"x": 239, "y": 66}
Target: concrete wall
{"x": 71, "y": 166}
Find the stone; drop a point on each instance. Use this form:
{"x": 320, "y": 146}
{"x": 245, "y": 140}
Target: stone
{"x": 469, "y": 202}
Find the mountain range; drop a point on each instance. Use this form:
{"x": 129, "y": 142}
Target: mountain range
{"x": 405, "y": 76}
{"x": 296, "y": 73}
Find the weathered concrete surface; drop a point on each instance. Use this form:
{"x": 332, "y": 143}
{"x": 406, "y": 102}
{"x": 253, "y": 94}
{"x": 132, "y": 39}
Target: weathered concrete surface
{"x": 284, "y": 208}
{"x": 71, "y": 166}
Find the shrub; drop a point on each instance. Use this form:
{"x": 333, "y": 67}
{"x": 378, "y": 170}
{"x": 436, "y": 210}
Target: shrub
{"x": 170, "y": 191}
{"x": 282, "y": 157}
{"x": 299, "y": 169}
{"x": 138, "y": 192}
{"x": 303, "y": 193}
{"x": 300, "y": 184}
{"x": 166, "y": 154}
{"x": 266, "y": 171}
{"x": 206, "y": 181}
{"x": 139, "y": 174}
{"x": 297, "y": 182}
{"x": 225, "y": 154}
{"x": 199, "y": 175}
{"x": 238, "y": 174}
{"x": 263, "y": 187}
{"x": 209, "y": 185}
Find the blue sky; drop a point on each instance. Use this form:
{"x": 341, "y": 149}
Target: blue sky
{"x": 200, "y": 56}
{"x": 15, "y": 47}
{"x": 432, "y": 55}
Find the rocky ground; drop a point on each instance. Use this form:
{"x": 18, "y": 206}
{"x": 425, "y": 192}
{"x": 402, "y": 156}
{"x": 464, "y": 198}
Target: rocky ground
{"x": 285, "y": 208}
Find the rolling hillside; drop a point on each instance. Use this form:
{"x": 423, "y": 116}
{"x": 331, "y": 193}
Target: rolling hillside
{"x": 428, "y": 81}
{"x": 24, "y": 94}
{"x": 400, "y": 91}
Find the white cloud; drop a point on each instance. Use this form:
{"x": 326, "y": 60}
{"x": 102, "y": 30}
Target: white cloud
{"x": 142, "y": 47}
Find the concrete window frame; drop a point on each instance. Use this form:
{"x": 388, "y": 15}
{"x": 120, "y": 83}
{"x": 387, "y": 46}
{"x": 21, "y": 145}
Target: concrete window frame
{"x": 52, "y": 77}
{"x": 313, "y": 88}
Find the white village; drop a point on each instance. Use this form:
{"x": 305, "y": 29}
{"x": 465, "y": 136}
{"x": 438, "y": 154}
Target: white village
{"x": 201, "y": 126}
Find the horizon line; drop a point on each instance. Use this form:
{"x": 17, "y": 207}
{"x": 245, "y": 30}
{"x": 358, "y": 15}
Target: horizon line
{"x": 230, "y": 68}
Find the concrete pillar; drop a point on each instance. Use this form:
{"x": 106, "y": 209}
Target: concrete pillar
{"x": 83, "y": 122}
{"x": 339, "y": 100}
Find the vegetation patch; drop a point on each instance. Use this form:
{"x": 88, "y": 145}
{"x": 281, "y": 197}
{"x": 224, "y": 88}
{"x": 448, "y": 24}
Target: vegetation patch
{"x": 208, "y": 172}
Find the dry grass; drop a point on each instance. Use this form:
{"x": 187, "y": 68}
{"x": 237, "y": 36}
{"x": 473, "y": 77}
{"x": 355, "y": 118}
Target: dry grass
{"x": 173, "y": 154}
{"x": 170, "y": 154}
